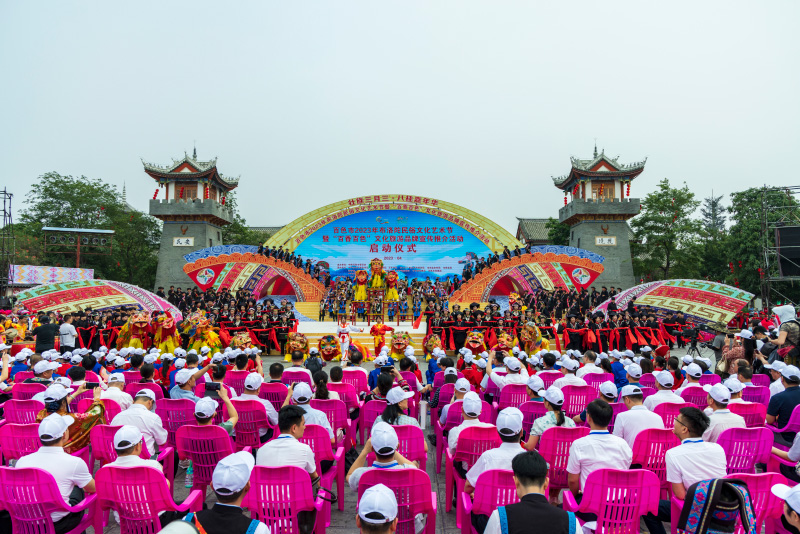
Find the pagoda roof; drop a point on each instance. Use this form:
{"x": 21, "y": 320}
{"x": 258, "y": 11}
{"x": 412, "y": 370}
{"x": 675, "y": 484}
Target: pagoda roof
{"x": 190, "y": 167}
{"x": 600, "y": 166}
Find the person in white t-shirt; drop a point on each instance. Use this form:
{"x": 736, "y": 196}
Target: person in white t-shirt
{"x": 115, "y": 391}
{"x": 637, "y": 418}
{"x": 589, "y": 366}
{"x": 664, "y": 382}
{"x": 286, "y": 450}
{"x": 383, "y": 442}
{"x": 693, "y": 374}
{"x": 471, "y": 406}
{"x": 509, "y": 427}
{"x": 461, "y": 388}
{"x": 67, "y": 334}
{"x": 569, "y": 368}
{"x": 776, "y": 386}
{"x": 736, "y": 387}
{"x": 514, "y": 376}
{"x": 720, "y": 417}
{"x": 252, "y": 385}
{"x": 70, "y": 472}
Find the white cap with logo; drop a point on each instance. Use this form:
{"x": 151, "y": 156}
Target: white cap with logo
{"x": 378, "y": 505}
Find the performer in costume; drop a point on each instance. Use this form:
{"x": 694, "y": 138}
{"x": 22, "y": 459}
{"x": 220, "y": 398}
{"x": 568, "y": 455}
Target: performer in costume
{"x": 400, "y": 341}
{"x": 296, "y": 341}
{"x": 201, "y": 332}
{"x": 360, "y": 293}
{"x": 378, "y": 332}
{"x": 531, "y": 340}
{"x": 377, "y": 274}
{"x": 329, "y": 348}
{"x": 391, "y": 284}
{"x": 135, "y": 333}
{"x": 166, "y": 333}
{"x": 343, "y": 330}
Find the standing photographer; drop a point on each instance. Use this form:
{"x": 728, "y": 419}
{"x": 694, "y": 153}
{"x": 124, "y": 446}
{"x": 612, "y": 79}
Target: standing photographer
{"x": 788, "y": 335}
{"x": 719, "y": 342}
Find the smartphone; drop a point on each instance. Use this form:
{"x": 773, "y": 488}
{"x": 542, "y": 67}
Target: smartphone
{"x": 387, "y": 369}
{"x": 212, "y": 390}
{"x": 92, "y": 385}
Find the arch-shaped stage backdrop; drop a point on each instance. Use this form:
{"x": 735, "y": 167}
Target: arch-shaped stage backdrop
{"x": 240, "y": 267}
{"x": 547, "y": 267}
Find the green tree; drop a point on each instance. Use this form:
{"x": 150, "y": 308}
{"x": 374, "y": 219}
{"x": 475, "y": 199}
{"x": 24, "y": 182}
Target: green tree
{"x": 557, "y": 233}
{"x": 237, "y": 233}
{"x": 664, "y": 231}
{"x": 713, "y": 257}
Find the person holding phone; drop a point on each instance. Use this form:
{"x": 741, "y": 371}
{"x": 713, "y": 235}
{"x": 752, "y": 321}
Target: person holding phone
{"x": 57, "y": 400}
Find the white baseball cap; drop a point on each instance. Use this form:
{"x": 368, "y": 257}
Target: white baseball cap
{"x": 301, "y": 393}
{"x": 232, "y": 473}
{"x": 718, "y": 392}
{"x": 54, "y": 426}
{"x": 384, "y": 439}
{"x": 509, "y": 421}
{"x": 42, "y": 366}
{"x": 471, "y": 404}
{"x": 665, "y": 378}
{"x": 183, "y": 376}
{"x": 204, "y": 350}
{"x": 253, "y": 381}
{"x": 127, "y": 436}
{"x": 634, "y": 370}
{"x": 462, "y": 385}
{"x": 481, "y": 363}
{"x": 513, "y": 364}
{"x": 791, "y": 373}
{"x": 630, "y": 390}
{"x": 75, "y": 360}
{"x": 645, "y": 349}
{"x": 554, "y": 396}
{"x": 205, "y": 407}
{"x": 515, "y": 350}
{"x": 570, "y": 365}
{"x": 217, "y": 358}
{"x": 694, "y": 370}
{"x": 116, "y": 377}
{"x": 63, "y": 381}
{"x": 733, "y": 384}
{"x": 146, "y": 393}
{"x": 746, "y": 334}
{"x": 775, "y": 366}
{"x": 608, "y": 389}
{"x": 536, "y": 384}
{"x": 119, "y": 362}
{"x": 451, "y": 371}
{"x": 381, "y": 360}
{"x": 150, "y": 358}
{"x": 55, "y": 392}
{"x": 409, "y": 351}
{"x": 180, "y": 363}
{"x": 378, "y": 505}
{"x": 629, "y": 353}
{"x": 396, "y": 395}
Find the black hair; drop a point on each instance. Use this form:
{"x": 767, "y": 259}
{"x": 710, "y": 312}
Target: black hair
{"x": 695, "y": 420}
{"x": 385, "y": 383}
{"x": 450, "y": 379}
{"x": 549, "y": 359}
{"x": 661, "y": 362}
{"x": 88, "y": 362}
{"x": 446, "y": 362}
{"x": 702, "y": 365}
{"x": 225, "y": 499}
{"x": 375, "y": 528}
{"x": 605, "y": 365}
{"x": 321, "y": 385}
{"x": 76, "y": 374}
{"x": 745, "y": 370}
{"x": 218, "y": 371}
{"x": 406, "y": 364}
{"x": 600, "y": 412}
{"x": 126, "y": 450}
{"x": 289, "y": 416}
{"x": 638, "y": 397}
{"x": 137, "y": 360}
{"x": 51, "y": 442}
{"x": 336, "y": 373}
{"x": 514, "y": 438}
{"x": 530, "y": 468}
{"x": 241, "y": 362}
{"x": 392, "y": 413}
{"x": 44, "y": 319}
{"x": 166, "y": 366}
{"x": 646, "y": 365}
{"x": 192, "y": 359}
{"x": 558, "y": 411}
{"x": 297, "y": 355}
{"x": 674, "y": 365}
{"x": 276, "y": 370}
{"x": 356, "y": 358}
{"x": 759, "y": 330}
{"x": 147, "y": 371}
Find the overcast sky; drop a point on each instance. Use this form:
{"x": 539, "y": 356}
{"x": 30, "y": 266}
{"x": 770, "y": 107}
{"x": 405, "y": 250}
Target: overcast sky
{"x": 477, "y": 103}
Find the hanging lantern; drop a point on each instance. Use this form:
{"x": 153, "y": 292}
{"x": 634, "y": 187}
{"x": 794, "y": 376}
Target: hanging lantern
{"x": 223, "y": 200}
{"x": 207, "y": 194}
{"x": 155, "y": 195}
{"x": 181, "y": 195}
{"x": 565, "y": 199}
{"x": 602, "y": 187}
{"x": 628, "y": 192}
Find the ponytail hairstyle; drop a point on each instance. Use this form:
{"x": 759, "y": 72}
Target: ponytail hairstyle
{"x": 673, "y": 364}
{"x": 560, "y": 419}
{"x": 165, "y": 368}
{"x": 605, "y": 365}
{"x": 321, "y": 383}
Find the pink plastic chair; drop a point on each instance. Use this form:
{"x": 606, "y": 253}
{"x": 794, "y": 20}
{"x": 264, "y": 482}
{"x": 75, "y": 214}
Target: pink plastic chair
{"x": 101, "y": 438}
{"x": 617, "y": 408}
{"x": 174, "y": 414}
{"x": 670, "y": 410}
{"x": 205, "y": 446}
{"x": 445, "y": 394}
{"x": 357, "y": 379}
{"x": 455, "y": 417}
{"x": 554, "y": 447}
{"x": 495, "y": 488}
{"x": 73, "y": 406}
{"x": 746, "y": 447}
{"x": 275, "y": 393}
{"x": 755, "y": 415}
{"x": 136, "y": 387}
{"x": 438, "y": 379}
{"x": 758, "y": 394}
{"x": 22, "y": 412}
{"x": 792, "y": 426}
{"x": 766, "y": 506}
{"x": 649, "y": 450}
{"x": 618, "y": 498}
{"x": 30, "y": 495}
{"x": 595, "y": 379}
{"x": 336, "y": 412}
{"x": 26, "y": 391}
{"x": 531, "y": 411}
{"x": 411, "y": 444}
{"x": 346, "y": 392}
{"x": 290, "y": 377}
{"x": 276, "y": 496}
{"x": 511, "y": 395}
{"x": 235, "y": 379}
{"x": 316, "y": 437}
{"x": 472, "y": 442}
{"x": 371, "y": 411}
{"x": 412, "y": 488}
{"x": 647, "y": 391}
{"x": 138, "y": 494}
{"x": 648, "y": 380}
{"x": 760, "y": 380}
{"x": 252, "y": 418}
{"x": 710, "y": 379}
{"x": 696, "y": 396}
{"x": 17, "y": 440}
{"x": 200, "y": 391}
{"x": 411, "y": 378}
{"x": 112, "y": 407}
{"x": 576, "y": 398}
{"x": 131, "y": 376}
{"x": 549, "y": 377}
{"x": 22, "y": 376}
{"x": 491, "y": 391}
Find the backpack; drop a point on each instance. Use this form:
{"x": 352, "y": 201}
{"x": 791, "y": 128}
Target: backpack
{"x": 313, "y": 365}
{"x": 713, "y": 506}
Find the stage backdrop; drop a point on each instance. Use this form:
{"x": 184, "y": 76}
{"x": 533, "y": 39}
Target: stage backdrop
{"x": 416, "y": 236}
{"x": 40, "y": 274}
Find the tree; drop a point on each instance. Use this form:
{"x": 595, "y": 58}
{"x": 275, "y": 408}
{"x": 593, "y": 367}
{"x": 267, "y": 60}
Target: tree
{"x": 557, "y": 233}
{"x": 713, "y": 258}
{"x": 664, "y": 230}
{"x": 237, "y": 233}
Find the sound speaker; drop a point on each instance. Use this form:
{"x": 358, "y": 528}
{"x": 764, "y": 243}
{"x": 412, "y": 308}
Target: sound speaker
{"x": 787, "y": 241}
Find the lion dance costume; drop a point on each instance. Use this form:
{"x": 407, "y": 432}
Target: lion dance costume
{"x": 360, "y": 294}
{"x": 329, "y": 348}
{"x": 377, "y": 274}
{"x": 134, "y": 334}
{"x": 201, "y": 333}
{"x": 166, "y": 337}
{"x": 391, "y": 284}
{"x": 296, "y": 341}
{"x": 400, "y": 340}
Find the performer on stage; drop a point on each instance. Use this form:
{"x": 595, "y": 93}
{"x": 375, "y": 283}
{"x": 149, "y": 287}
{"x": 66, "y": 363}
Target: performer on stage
{"x": 135, "y": 333}
{"x": 378, "y": 332}
{"x": 360, "y": 294}
{"x": 391, "y": 284}
{"x": 377, "y": 275}
{"x": 166, "y": 338}
{"x": 343, "y": 330}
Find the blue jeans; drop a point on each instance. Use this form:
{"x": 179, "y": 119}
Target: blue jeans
{"x": 654, "y": 522}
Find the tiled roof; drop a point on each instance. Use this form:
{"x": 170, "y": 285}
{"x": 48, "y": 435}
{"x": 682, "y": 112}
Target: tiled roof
{"x": 532, "y": 230}
{"x": 272, "y": 230}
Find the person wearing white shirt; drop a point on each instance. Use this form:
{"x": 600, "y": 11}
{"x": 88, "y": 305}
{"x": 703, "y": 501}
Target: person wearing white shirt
{"x": 736, "y": 387}
{"x": 637, "y": 418}
{"x": 383, "y": 442}
{"x": 116, "y": 385}
{"x": 691, "y": 461}
{"x": 252, "y": 385}
{"x": 588, "y": 365}
{"x": 553, "y": 400}
{"x": 721, "y": 418}
{"x": 509, "y": 427}
{"x": 664, "y": 382}
{"x": 514, "y": 376}
{"x": 297, "y": 363}
{"x": 286, "y": 450}
{"x": 569, "y": 368}
{"x": 142, "y": 416}
{"x": 354, "y": 364}
{"x": 67, "y": 334}
{"x": 300, "y": 393}
{"x": 775, "y": 369}
{"x": 471, "y": 406}
{"x": 693, "y": 374}
{"x": 461, "y": 388}
{"x": 70, "y": 472}
{"x": 598, "y": 450}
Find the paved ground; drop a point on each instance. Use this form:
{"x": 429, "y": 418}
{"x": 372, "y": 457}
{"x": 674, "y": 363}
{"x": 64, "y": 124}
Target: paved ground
{"x": 344, "y": 522}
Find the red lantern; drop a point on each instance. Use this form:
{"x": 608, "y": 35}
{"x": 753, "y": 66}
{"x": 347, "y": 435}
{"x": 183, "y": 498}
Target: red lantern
{"x": 602, "y": 187}
{"x": 155, "y": 195}
{"x": 740, "y": 264}
{"x": 629, "y": 190}
{"x": 207, "y": 195}
{"x": 223, "y": 201}
{"x": 181, "y": 195}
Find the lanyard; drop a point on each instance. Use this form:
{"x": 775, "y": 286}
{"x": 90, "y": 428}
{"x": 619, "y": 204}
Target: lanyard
{"x": 389, "y": 466}
{"x": 693, "y": 441}
{"x": 599, "y": 432}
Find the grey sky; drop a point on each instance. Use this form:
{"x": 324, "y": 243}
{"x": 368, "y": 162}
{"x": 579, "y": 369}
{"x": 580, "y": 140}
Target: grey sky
{"x": 478, "y": 103}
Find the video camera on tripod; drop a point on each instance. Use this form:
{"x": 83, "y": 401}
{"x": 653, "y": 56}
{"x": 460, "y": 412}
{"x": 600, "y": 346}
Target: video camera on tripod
{"x": 692, "y": 336}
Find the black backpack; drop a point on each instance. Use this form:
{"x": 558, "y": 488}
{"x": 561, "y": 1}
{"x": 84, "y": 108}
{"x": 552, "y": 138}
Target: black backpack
{"x": 313, "y": 364}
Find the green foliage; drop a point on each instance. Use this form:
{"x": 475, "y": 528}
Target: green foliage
{"x": 557, "y": 233}
{"x": 237, "y": 233}
{"x": 665, "y": 233}
{"x": 713, "y": 260}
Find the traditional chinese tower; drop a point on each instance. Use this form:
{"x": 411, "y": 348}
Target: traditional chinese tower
{"x": 599, "y": 206}
{"x": 193, "y": 210}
